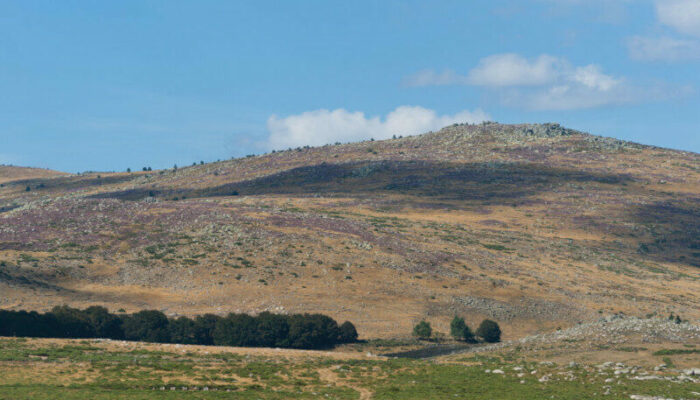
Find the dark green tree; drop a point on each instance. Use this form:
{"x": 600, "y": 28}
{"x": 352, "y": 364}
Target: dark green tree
{"x": 182, "y": 330}
{"x": 460, "y": 331}
{"x": 423, "y": 330}
{"x": 489, "y": 331}
{"x": 348, "y": 333}
{"x": 204, "y": 328}
{"x": 312, "y": 331}
{"x": 147, "y": 326}
{"x": 72, "y": 323}
{"x": 236, "y": 330}
{"x": 273, "y": 330}
{"x": 106, "y": 325}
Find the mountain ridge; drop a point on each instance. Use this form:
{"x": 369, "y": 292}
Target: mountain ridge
{"x": 534, "y": 225}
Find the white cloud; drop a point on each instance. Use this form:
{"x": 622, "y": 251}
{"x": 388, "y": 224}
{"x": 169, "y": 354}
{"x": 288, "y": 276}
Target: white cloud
{"x": 513, "y": 70}
{"x": 665, "y": 49}
{"x": 574, "y": 96}
{"x": 431, "y": 78}
{"x": 682, "y": 15}
{"x": 593, "y": 78}
{"x": 497, "y": 71}
{"x": 542, "y": 83}
{"x": 321, "y": 127}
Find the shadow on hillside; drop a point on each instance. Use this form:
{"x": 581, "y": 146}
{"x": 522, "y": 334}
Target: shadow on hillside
{"x": 674, "y": 227}
{"x": 488, "y": 182}
{"x": 29, "y": 280}
{"x": 69, "y": 183}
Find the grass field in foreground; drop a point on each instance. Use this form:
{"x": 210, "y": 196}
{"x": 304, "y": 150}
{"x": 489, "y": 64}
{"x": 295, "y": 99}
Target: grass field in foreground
{"x": 74, "y": 369}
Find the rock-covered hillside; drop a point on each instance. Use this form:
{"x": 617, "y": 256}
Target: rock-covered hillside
{"x": 535, "y": 226}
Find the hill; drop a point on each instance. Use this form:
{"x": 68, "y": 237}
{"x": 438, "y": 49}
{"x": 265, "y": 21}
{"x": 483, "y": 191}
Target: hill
{"x": 10, "y": 173}
{"x": 534, "y": 226}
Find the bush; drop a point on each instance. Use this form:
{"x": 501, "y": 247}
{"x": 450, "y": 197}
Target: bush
{"x": 423, "y": 330}
{"x": 348, "y": 333}
{"x": 489, "y": 331}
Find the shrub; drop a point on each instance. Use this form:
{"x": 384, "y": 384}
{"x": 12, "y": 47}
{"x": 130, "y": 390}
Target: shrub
{"x": 348, "y": 333}
{"x": 423, "y": 330}
{"x": 489, "y": 331}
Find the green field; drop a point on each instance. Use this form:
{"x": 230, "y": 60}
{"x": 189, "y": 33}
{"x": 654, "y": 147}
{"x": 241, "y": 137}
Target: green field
{"x": 31, "y": 369}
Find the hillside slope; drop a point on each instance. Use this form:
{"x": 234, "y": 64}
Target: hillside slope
{"x": 9, "y": 173}
{"x": 535, "y": 226}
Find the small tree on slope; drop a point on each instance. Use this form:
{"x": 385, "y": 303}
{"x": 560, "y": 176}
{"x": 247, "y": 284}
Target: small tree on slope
{"x": 489, "y": 331}
{"x": 460, "y": 331}
{"x": 423, "y": 330}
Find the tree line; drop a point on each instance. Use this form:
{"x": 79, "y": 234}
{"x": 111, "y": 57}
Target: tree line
{"x": 299, "y": 331}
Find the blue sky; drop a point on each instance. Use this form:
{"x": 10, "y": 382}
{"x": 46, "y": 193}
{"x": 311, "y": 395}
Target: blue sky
{"x": 88, "y": 85}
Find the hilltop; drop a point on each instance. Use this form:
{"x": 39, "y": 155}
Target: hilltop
{"x": 535, "y": 226}
{"x": 10, "y": 173}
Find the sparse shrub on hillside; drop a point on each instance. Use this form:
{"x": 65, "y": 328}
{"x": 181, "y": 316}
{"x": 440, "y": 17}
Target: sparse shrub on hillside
{"x": 460, "y": 331}
{"x": 348, "y": 333}
{"x": 423, "y": 330}
{"x": 489, "y": 331}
